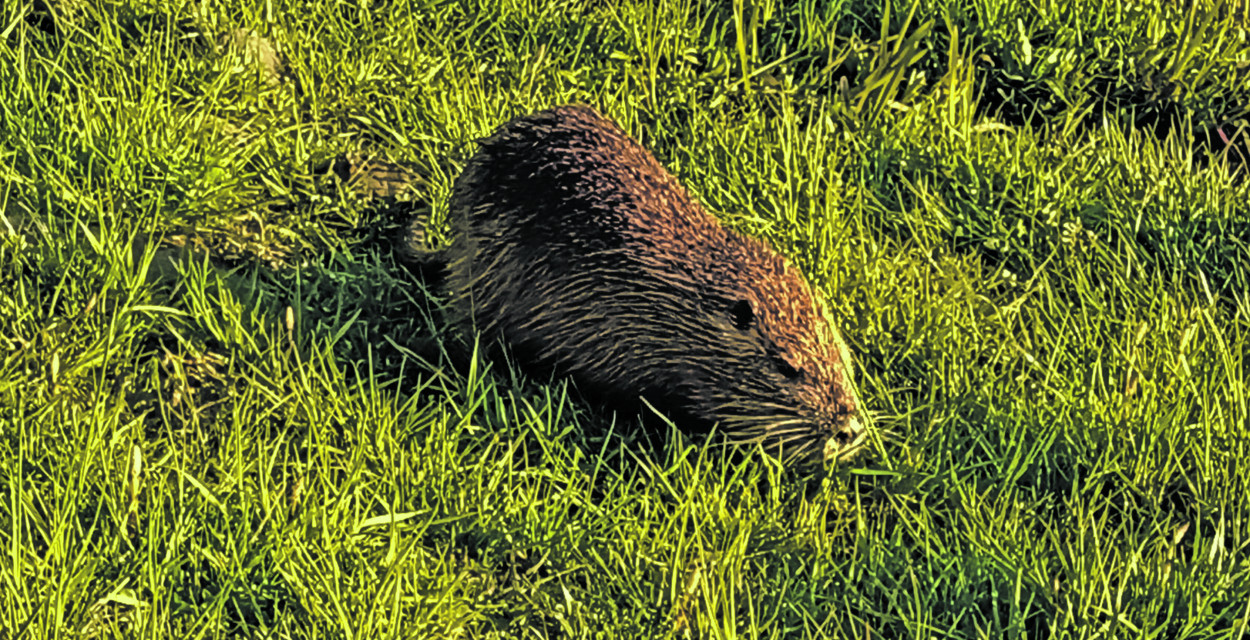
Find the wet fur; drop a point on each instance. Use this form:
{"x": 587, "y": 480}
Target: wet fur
{"x": 575, "y": 246}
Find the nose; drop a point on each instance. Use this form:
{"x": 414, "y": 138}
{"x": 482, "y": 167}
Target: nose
{"x": 848, "y": 436}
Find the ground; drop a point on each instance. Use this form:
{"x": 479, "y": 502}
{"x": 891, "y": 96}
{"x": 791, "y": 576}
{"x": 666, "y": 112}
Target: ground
{"x": 227, "y": 409}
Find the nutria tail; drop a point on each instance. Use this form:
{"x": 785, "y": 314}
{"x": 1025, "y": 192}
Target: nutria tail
{"x": 417, "y": 251}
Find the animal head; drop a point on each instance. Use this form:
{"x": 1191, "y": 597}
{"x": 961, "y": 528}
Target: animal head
{"x": 786, "y": 379}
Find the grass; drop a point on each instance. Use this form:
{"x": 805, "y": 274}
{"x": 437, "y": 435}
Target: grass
{"x": 225, "y": 410}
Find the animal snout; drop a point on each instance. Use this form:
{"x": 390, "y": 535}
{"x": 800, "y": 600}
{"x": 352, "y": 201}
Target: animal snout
{"x": 845, "y": 439}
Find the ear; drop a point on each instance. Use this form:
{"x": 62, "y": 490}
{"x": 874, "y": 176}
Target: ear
{"x": 742, "y": 315}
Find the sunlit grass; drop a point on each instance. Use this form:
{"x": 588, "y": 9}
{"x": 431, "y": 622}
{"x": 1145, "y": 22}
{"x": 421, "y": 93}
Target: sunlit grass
{"x": 226, "y": 410}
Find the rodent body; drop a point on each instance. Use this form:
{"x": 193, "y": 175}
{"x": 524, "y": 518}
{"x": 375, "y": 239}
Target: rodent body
{"x": 577, "y": 249}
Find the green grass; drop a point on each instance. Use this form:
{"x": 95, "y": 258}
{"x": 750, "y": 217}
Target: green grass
{"x": 226, "y": 411}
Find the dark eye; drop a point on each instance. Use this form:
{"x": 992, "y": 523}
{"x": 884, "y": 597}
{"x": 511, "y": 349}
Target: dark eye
{"x": 785, "y": 368}
{"x": 742, "y": 315}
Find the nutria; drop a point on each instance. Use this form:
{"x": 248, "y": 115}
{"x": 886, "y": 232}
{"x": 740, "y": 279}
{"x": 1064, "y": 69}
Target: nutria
{"x": 577, "y": 249}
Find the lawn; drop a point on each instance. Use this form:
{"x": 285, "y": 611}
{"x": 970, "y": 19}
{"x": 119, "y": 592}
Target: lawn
{"x": 228, "y": 408}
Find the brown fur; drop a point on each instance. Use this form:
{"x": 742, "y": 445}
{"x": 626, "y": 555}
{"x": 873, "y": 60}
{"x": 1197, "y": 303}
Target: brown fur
{"x": 582, "y": 253}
